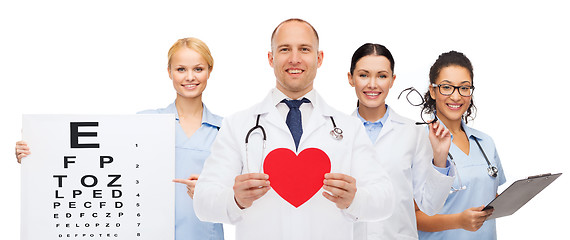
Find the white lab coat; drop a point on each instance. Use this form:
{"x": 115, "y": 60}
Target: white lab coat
{"x": 271, "y": 217}
{"x": 406, "y": 154}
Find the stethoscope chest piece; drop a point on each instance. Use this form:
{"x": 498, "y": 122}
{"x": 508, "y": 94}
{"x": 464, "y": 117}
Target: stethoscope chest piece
{"x": 336, "y": 133}
{"x": 493, "y": 171}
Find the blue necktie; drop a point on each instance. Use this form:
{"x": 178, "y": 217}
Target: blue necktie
{"x": 294, "y": 119}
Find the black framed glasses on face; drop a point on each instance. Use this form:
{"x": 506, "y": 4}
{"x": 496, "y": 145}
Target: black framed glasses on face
{"x": 415, "y": 99}
{"x": 448, "y": 89}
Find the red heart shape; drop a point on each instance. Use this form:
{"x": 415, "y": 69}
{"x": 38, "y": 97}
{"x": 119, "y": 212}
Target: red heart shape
{"x": 296, "y": 178}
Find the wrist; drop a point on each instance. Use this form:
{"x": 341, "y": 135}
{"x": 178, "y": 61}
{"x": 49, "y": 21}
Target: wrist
{"x": 457, "y": 222}
{"x": 440, "y": 161}
{"x": 237, "y": 203}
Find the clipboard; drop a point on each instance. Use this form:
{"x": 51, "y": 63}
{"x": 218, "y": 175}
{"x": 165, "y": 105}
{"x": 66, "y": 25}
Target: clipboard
{"x": 519, "y": 193}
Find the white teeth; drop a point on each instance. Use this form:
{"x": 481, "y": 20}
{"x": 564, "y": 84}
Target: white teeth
{"x": 454, "y": 106}
{"x": 190, "y": 85}
{"x": 295, "y": 71}
{"x": 372, "y": 94}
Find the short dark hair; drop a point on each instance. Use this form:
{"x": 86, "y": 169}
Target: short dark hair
{"x": 371, "y": 49}
{"x": 294, "y": 20}
{"x": 451, "y": 58}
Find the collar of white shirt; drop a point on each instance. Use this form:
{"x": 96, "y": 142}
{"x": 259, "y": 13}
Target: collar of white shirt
{"x": 306, "y": 109}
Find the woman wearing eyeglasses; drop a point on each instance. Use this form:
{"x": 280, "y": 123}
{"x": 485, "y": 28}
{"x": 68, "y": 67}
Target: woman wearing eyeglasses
{"x": 479, "y": 170}
{"x": 416, "y": 163}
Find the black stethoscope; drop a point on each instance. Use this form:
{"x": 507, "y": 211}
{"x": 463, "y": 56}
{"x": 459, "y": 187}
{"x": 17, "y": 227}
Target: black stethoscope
{"x": 336, "y": 133}
{"x": 491, "y": 170}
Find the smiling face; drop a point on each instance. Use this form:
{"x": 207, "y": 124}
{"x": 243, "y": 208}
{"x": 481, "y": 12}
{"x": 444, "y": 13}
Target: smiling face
{"x": 189, "y": 72}
{"x": 295, "y": 58}
{"x": 451, "y": 108}
{"x": 372, "y": 80}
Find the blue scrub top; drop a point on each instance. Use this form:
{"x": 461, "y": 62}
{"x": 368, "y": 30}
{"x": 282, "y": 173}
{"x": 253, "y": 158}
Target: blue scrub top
{"x": 481, "y": 188}
{"x": 190, "y": 156}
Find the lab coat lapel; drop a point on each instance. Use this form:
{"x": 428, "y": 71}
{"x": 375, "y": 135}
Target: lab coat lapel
{"x": 387, "y": 128}
{"x": 321, "y": 113}
{"x": 272, "y": 115}
{"x": 394, "y": 121}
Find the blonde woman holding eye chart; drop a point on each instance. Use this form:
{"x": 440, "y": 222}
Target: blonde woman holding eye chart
{"x": 190, "y": 64}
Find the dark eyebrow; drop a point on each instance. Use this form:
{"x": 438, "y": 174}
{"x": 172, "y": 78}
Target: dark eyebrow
{"x": 449, "y": 82}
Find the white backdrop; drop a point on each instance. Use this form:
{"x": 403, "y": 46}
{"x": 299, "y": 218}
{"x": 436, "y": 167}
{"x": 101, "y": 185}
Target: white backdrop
{"x": 109, "y": 57}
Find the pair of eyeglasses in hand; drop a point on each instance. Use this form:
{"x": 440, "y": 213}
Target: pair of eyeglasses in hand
{"x": 415, "y": 99}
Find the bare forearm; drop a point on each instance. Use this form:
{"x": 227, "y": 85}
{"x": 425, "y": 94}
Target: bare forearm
{"x": 471, "y": 220}
{"x": 438, "y": 222}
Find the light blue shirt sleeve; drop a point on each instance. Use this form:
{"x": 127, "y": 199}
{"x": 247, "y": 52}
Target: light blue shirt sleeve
{"x": 444, "y": 171}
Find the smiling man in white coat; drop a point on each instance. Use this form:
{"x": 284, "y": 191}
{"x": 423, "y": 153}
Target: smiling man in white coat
{"x": 292, "y": 167}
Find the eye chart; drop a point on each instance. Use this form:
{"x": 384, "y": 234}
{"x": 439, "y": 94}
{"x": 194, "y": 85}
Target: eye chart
{"x": 98, "y": 177}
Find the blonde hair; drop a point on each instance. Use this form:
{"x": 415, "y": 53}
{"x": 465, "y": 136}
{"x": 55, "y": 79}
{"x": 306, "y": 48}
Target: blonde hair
{"x": 194, "y": 44}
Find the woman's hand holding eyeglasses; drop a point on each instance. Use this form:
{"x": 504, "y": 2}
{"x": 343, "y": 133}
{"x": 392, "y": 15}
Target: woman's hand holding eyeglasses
{"x": 440, "y": 140}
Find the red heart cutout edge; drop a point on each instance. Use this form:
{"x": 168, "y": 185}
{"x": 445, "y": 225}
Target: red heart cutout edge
{"x": 296, "y": 178}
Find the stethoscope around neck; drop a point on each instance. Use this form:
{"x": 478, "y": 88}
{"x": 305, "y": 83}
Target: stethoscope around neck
{"x": 247, "y": 141}
{"x": 491, "y": 170}
{"x": 335, "y": 133}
